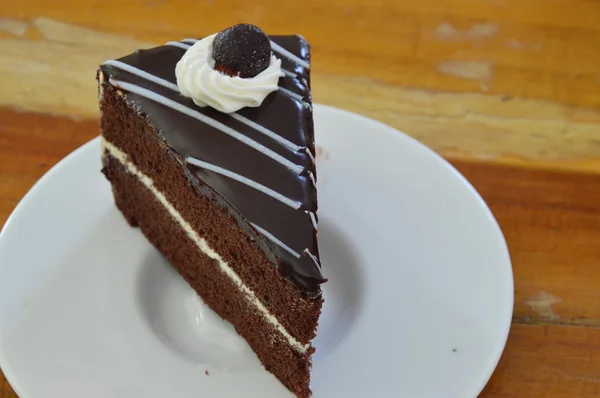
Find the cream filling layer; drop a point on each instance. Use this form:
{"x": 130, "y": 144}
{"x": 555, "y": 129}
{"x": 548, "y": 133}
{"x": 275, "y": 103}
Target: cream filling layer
{"x": 202, "y": 244}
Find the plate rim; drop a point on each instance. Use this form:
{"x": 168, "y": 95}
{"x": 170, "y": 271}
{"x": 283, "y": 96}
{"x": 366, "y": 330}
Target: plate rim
{"x": 401, "y": 135}
{"x": 382, "y": 127}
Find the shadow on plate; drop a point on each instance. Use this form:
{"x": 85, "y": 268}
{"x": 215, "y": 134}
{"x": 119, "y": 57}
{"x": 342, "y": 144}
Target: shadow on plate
{"x": 344, "y": 290}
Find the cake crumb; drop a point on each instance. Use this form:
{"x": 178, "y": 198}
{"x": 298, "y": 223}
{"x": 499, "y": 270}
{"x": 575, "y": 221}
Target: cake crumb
{"x": 206, "y": 372}
{"x": 321, "y": 153}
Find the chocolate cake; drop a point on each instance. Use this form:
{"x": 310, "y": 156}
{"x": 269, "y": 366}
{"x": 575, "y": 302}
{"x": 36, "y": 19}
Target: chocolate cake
{"x": 209, "y": 147}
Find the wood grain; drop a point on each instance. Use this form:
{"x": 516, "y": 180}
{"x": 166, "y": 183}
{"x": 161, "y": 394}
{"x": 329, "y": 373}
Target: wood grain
{"x": 551, "y": 221}
{"x": 507, "y": 90}
{"x": 536, "y": 48}
{"x": 497, "y": 83}
{"x": 542, "y": 361}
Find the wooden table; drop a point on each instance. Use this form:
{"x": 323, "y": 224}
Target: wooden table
{"x": 507, "y": 90}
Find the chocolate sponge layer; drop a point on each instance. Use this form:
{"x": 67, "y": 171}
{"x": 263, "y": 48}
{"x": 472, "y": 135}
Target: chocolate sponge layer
{"x": 130, "y": 132}
{"x": 141, "y": 208}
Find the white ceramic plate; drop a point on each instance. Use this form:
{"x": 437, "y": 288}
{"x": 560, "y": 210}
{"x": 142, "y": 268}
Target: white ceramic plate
{"x": 419, "y": 301}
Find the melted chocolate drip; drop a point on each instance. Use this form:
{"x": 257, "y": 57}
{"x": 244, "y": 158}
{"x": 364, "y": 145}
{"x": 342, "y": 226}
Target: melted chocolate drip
{"x": 282, "y": 114}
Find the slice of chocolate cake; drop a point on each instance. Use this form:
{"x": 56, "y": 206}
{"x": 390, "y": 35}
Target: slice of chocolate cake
{"x": 209, "y": 147}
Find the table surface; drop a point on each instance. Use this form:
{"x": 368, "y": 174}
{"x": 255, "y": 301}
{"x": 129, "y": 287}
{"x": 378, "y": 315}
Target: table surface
{"x": 507, "y": 90}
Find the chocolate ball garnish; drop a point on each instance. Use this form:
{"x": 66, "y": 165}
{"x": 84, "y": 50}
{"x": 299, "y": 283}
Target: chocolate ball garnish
{"x": 242, "y": 50}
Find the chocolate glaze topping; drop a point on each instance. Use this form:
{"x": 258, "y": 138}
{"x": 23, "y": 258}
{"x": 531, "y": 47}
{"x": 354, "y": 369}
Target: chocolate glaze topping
{"x": 289, "y": 117}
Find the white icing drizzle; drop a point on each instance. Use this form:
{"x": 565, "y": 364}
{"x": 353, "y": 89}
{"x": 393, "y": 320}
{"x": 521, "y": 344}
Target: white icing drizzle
{"x": 282, "y": 51}
{"x": 207, "y": 120}
{"x": 177, "y": 44}
{"x": 310, "y": 155}
{"x": 312, "y": 178}
{"x": 259, "y": 187}
{"x": 312, "y": 257}
{"x": 273, "y": 239}
{"x": 143, "y": 74}
{"x": 313, "y": 219}
{"x": 192, "y": 41}
{"x": 203, "y": 245}
{"x": 290, "y": 74}
{"x": 292, "y": 94}
{"x": 283, "y": 141}
{"x": 165, "y": 83}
